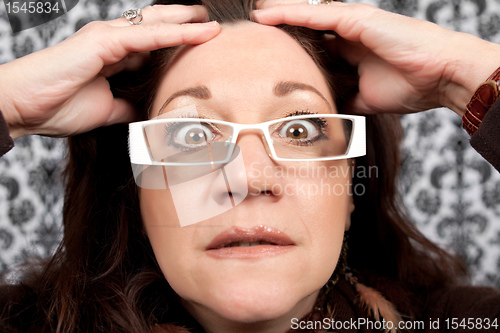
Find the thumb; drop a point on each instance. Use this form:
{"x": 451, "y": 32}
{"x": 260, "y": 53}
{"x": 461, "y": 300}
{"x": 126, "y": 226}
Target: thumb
{"x": 359, "y": 106}
{"x": 122, "y": 112}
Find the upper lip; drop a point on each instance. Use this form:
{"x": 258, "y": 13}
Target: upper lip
{"x": 255, "y": 234}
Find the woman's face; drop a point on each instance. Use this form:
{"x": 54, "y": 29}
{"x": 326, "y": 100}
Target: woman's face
{"x": 251, "y": 74}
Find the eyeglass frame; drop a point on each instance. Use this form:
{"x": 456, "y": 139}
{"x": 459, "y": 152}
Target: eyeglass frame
{"x": 139, "y": 152}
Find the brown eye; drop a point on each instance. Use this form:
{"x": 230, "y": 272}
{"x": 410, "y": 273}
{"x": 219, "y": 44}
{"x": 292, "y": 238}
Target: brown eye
{"x": 296, "y": 131}
{"x": 193, "y": 134}
{"x": 299, "y": 130}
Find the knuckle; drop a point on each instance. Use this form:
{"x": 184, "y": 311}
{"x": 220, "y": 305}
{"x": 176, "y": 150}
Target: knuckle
{"x": 360, "y": 6}
{"x": 154, "y": 31}
{"x": 94, "y": 28}
{"x": 363, "y": 7}
{"x": 362, "y": 11}
{"x": 161, "y": 12}
{"x": 159, "y": 8}
{"x": 181, "y": 34}
{"x": 149, "y": 10}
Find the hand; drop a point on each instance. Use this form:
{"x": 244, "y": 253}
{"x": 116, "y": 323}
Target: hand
{"x": 63, "y": 90}
{"x": 405, "y": 65}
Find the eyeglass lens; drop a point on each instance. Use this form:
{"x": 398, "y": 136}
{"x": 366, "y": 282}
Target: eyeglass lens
{"x": 202, "y": 141}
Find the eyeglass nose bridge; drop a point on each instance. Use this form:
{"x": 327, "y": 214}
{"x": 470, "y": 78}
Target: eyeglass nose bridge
{"x": 265, "y": 137}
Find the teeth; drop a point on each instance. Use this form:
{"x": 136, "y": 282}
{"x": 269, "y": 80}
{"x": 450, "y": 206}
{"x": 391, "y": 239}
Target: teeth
{"x": 236, "y": 244}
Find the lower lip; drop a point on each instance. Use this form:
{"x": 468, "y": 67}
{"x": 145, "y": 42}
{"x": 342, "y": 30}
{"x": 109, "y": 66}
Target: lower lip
{"x": 249, "y": 252}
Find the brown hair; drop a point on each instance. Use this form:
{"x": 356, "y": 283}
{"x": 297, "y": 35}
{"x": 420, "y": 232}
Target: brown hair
{"x": 104, "y": 276}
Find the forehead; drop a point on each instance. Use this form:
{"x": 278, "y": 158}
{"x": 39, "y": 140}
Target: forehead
{"x": 244, "y": 59}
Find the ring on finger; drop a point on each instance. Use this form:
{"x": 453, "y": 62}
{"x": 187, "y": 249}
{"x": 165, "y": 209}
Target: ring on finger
{"x": 131, "y": 16}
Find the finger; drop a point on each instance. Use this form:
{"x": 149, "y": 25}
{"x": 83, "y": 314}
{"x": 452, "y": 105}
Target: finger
{"x": 153, "y": 37}
{"x": 348, "y": 20}
{"x": 112, "y": 44}
{"x": 122, "y": 112}
{"x": 359, "y": 106}
{"x": 83, "y": 55}
{"x": 314, "y": 17}
{"x": 352, "y": 52}
{"x": 168, "y": 14}
{"x": 132, "y": 62}
{"x": 261, "y": 4}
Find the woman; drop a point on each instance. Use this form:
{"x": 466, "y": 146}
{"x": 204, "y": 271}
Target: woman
{"x": 125, "y": 264}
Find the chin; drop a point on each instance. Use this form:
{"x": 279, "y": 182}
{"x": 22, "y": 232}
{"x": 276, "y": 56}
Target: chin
{"x": 246, "y": 310}
{"x": 256, "y": 301}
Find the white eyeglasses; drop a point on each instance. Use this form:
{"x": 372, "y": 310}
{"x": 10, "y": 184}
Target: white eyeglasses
{"x": 199, "y": 141}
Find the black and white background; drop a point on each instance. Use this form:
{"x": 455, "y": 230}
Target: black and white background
{"x": 452, "y": 193}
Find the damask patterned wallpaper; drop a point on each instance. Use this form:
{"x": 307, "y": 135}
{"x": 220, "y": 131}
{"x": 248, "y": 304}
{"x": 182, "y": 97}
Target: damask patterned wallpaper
{"x": 452, "y": 193}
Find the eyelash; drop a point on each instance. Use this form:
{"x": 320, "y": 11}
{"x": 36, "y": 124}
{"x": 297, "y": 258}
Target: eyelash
{"x": 300, "y": 113}
{"x": 320, "y": 122}
{"x": 170, "y": 129}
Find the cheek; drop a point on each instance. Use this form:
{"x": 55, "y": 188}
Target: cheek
{"x": 322, "y": 191}
{"x": 168, "y": 240}
{"x": 312, "y": 208}
{"x": 323, "y": 202}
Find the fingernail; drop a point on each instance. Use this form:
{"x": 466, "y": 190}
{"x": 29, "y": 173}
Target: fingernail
{"x": 211, "y": 23}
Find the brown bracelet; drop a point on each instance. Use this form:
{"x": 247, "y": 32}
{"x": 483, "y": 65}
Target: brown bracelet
{"x": 484, "y": 97}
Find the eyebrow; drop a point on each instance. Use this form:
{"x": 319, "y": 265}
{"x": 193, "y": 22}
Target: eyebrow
{"x": 284, "y": 88}
{"x": 281, "y": 89}
{"x": 199, "y": 92}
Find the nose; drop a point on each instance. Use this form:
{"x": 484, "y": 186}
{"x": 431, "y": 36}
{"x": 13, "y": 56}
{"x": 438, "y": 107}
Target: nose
{"x": 251, "y": 173}
{"x": 253, "y": 145}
